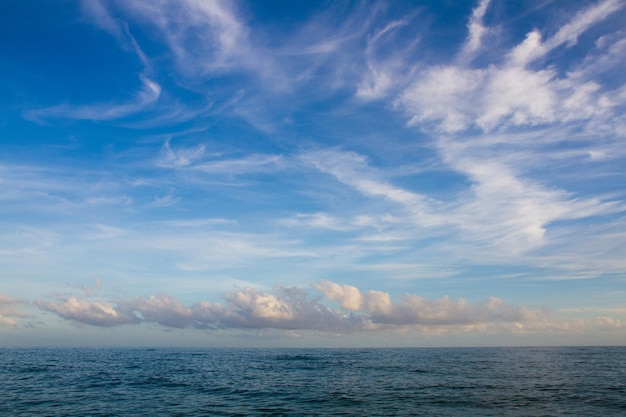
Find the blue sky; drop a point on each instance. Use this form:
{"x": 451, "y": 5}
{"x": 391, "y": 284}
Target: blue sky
{"x": 206, "y": 173}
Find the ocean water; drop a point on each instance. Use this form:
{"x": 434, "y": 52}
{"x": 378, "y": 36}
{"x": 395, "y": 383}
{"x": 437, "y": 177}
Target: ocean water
{"x": 580, "y": 381}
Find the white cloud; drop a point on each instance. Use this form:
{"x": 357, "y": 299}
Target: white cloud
{"x": 179, "y": 158}
{"x": 445, "y": 95}
{"x": 533, "y": 48}
{"x": 101, "y": 16}
{"x": 204, "y": 36}
{"x": 413, "y": 310}
{"x": 466, "y": 108}
{"x": 349, "y": 297}
{"x": 607, "y": 57}
{"x": 501, "y": 210}
{"x": 591, "y": 16}
{"x": 10, "y": 311}
{"x": 501, "y": 125}
{"x": 162, "y": 309}
{"x": 247, "y": 164}
{"x": 198, "y": 160}
{"x": 143, "y": 100}
{"x": 476, "y": 30}
{"x": 294, "y": 309}
{"x": 457, "y": 98}
{"x": 352, "y": 169}
{"x": 97, "y": 313}
{"x": 383, "y": 74}
{"x": 318, "y": 221}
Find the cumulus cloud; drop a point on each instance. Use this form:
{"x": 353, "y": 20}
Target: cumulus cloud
{"x": 349, "y": 297}
{"x": 98, "y": 313}
{"x": 162, "y": 309}
{"x": 10, "y": 310}
{"x": 285, "y": 308}
{"x": 294, "y": 309}
{"x": 413, "y": 309}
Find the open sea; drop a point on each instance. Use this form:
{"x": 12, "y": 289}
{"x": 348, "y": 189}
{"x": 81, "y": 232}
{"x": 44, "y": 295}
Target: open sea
{"x": 554, "y": 381}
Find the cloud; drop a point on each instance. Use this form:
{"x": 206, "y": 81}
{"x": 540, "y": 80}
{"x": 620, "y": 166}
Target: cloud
{"x": 287, "y": 308}
{"x": 203, "y": 36}
{"x": 476, "y": 30}
{"x": 196, "y": 159}
{"x": 383, "y": 73}
{"x": 591, "y": 16}
{"x": 10, "y": 310}
{"x": 533, "y": 48}
{"x": 294, "y": 309}
{"x": 143, "y": 101}
{"x": 457, "y": 98}
{"x": 353, "y": 170}
{"x": 349, "y": 297}
{"x": 211, "y": 39}
{"x": 475, "y": 115}
{"x": 162, "y": 309}
{"x": 507, "y": 209}
{"x": 96, "y": 11}
{"x": 501, "y": 210}
{"x": 96, "y": 313}
{"x": 179, "y": 158}
{"x": 413, "y": 309}
{"x": 317, "y": 221}
{"x": 500, "y": 127}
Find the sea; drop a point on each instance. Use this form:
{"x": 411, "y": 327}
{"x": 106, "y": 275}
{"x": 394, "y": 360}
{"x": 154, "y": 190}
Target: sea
{"x": 529, "y": 381}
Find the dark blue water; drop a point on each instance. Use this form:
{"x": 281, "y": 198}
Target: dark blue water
{"x": 325, "y": 382}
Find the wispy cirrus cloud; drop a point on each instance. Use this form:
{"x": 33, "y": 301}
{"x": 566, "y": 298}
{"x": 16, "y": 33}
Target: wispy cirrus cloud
{"x": 510, "y": 93}
{"x": 384, "y": 74}
{"x": 464, "y": 106}
{"x": 87, "y": 312}
{"x": 144, "y": 99}
{"x": 501, "y": 209}
{"x": 353, "y": 170}
{"x": 197, "y": 159}
{"x": 476, "y": 31}
{"x": 202, "y": 37}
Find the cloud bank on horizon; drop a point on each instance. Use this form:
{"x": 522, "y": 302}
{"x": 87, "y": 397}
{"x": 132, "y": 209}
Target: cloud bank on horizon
{"x": 427, "y": 168}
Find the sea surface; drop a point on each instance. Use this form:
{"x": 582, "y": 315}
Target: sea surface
{"x": 575, "y": 381}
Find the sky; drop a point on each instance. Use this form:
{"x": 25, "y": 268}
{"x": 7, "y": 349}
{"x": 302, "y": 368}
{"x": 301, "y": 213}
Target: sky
{"x": 312, "y": 173}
